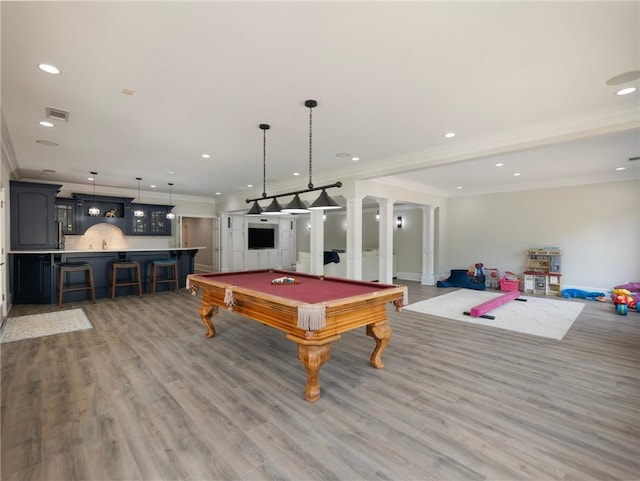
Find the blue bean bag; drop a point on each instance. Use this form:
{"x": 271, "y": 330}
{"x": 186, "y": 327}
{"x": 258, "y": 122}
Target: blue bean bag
{"x": 461, "y": 278}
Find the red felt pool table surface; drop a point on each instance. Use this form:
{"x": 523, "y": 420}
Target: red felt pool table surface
{"x": 312, "y": 312}
{"x": 310, "y": 289}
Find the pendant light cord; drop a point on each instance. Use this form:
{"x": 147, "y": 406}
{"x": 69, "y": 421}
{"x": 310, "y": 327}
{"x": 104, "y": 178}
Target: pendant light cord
{"x": 264, "y": 162}
{"x": 93, "y": 175}
{"x": 310, "y": 143}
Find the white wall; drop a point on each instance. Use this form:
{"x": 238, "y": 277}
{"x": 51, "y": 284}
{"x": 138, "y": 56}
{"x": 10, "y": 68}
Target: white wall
{"x": 596, "y": 226}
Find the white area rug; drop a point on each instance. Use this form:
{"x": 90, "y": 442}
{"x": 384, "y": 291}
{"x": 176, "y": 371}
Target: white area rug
{"x": 538, "y": 316}
{"x": 47, "y": 324}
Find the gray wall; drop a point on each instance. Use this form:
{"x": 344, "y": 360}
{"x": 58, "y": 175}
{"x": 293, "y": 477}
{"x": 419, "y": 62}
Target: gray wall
{"x": 596, "y": 226}
{"x": 202, "y": 236}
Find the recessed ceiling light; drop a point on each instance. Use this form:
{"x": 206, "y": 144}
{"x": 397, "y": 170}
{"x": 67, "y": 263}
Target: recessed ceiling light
{"x": 152, "y": 186}
{"x": 516, "y": 174}
{"x": 48, "y": 143}
{"x": 459, "y": 187}
{"x": 49, "y": 68}
{"x": 91, "y": 178}
{"x": 355, "y": 159}
{"x": 626, "y": 91}
{"x": 249, "y": 185}
{"x": 45, "y": 123}
{"x": 206, "y": 156}
{"x": 620, "y": 168}
{"x": 171, "y": 172}
{"x": 499, "y": 164}
{"x": 449, "y": 135}
{"x": 296, "y": 173}
{"x": 218, "y": 193}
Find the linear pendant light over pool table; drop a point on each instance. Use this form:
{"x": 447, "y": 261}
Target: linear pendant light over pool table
{"x": 297, "y": 206}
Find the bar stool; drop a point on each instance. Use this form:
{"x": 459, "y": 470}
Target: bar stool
{"x": 134, "y": 268}
{"x": 172, "y": 273}
{"x": 64, "y": 281}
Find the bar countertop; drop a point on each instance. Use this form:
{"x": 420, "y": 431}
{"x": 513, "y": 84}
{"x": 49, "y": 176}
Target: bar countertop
{"x": 98, "y": 251}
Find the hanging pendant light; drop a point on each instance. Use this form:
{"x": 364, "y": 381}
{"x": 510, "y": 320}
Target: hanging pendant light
{"x": 170, "y": 215}
{"x": 94, "y": 211}
{"x": 256, "y": 210}
{"x": 297, "y": 205}
{"x": 274, "y": 208}
{"x": 324, "y": 201}
{"x": 138, "y": 212}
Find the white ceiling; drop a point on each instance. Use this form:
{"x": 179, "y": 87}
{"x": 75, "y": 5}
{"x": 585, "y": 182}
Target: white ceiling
{"x": 522, "y": 83}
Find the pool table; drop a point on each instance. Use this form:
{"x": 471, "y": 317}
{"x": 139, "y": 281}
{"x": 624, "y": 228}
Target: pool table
{"x": 312, "y": 310}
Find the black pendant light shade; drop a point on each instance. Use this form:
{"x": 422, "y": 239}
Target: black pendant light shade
{"x": 255, "y": 209}
{"x": 296, "y": 206}
{"x": 324, "y": 202}
{"x": 274, "y": 208}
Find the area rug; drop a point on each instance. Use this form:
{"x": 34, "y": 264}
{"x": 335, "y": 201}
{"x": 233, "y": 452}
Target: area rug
{"x": 538, "y": 316}
{"x": 47, "y": 324}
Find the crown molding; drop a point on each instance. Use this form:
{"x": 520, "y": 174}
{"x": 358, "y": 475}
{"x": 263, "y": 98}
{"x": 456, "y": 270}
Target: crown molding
{"x": 72, "y": 187}
{"x": 8, "y": 154}
{"x": 547, "y": 133}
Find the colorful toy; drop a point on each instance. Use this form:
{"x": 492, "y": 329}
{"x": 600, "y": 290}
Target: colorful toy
{"x": 623, "y": 301}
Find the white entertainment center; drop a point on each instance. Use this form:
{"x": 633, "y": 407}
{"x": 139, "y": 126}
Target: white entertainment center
{"x": 257, "y": 242}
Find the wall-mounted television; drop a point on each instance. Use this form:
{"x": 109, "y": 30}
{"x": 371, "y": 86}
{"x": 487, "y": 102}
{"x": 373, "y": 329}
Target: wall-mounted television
{"x": 262, "y": 238}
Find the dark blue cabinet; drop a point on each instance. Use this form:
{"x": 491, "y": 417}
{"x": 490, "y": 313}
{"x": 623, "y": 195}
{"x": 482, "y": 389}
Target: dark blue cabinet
{"x": 32, "y": 280}
{"x": 33, "y": 215}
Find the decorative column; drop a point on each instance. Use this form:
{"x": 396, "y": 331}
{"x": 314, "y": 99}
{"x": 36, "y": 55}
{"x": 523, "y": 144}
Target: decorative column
{"x": 385, "y": 241}
{"x": 316, "y": 245}
{"x": 428, "y": 243}
{"x": 354, "y": 237}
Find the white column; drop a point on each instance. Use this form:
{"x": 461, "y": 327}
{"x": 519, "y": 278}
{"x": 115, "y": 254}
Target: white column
{"x": 428, "y": 243}
{"x": 385, "y": 241}
{"x": 354, "y": 237}
{"x": 316, "y": 245}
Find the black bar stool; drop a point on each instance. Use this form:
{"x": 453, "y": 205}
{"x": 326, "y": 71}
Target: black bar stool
{"x": 134, "y": 268}
{"x": 172, "y": 273}
{"x": 64, "y": 281}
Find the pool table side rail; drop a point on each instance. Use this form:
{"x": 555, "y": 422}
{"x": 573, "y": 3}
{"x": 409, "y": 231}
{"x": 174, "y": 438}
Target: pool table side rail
{"x": 281, "y": 313}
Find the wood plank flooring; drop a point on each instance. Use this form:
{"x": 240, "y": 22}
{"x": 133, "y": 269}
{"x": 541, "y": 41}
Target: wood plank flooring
{"x": 144, "y": 396}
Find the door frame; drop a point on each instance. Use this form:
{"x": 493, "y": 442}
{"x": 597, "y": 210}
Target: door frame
{"x": 215, "y": 235}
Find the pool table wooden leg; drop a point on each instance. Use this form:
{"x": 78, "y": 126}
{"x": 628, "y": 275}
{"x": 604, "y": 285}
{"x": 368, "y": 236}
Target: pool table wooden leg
{"x": 206, "y": 311}
{"x": 313, "y": 356}
{"x": 381, "y": 333}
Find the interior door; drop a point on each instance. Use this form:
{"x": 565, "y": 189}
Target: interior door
{"x": 3, "y": 256}
{"x": 186, "y": 233}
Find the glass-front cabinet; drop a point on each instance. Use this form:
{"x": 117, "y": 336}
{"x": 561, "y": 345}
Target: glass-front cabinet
{"x": 66, "y": 213}
{"x": 153, "y": 220}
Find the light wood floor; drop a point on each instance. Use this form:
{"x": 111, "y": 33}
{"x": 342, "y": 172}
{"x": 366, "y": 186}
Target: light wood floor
{"x": 144, "y": 396}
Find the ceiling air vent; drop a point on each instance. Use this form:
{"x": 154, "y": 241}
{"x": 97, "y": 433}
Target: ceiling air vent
{"x": 57, "y": 114}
